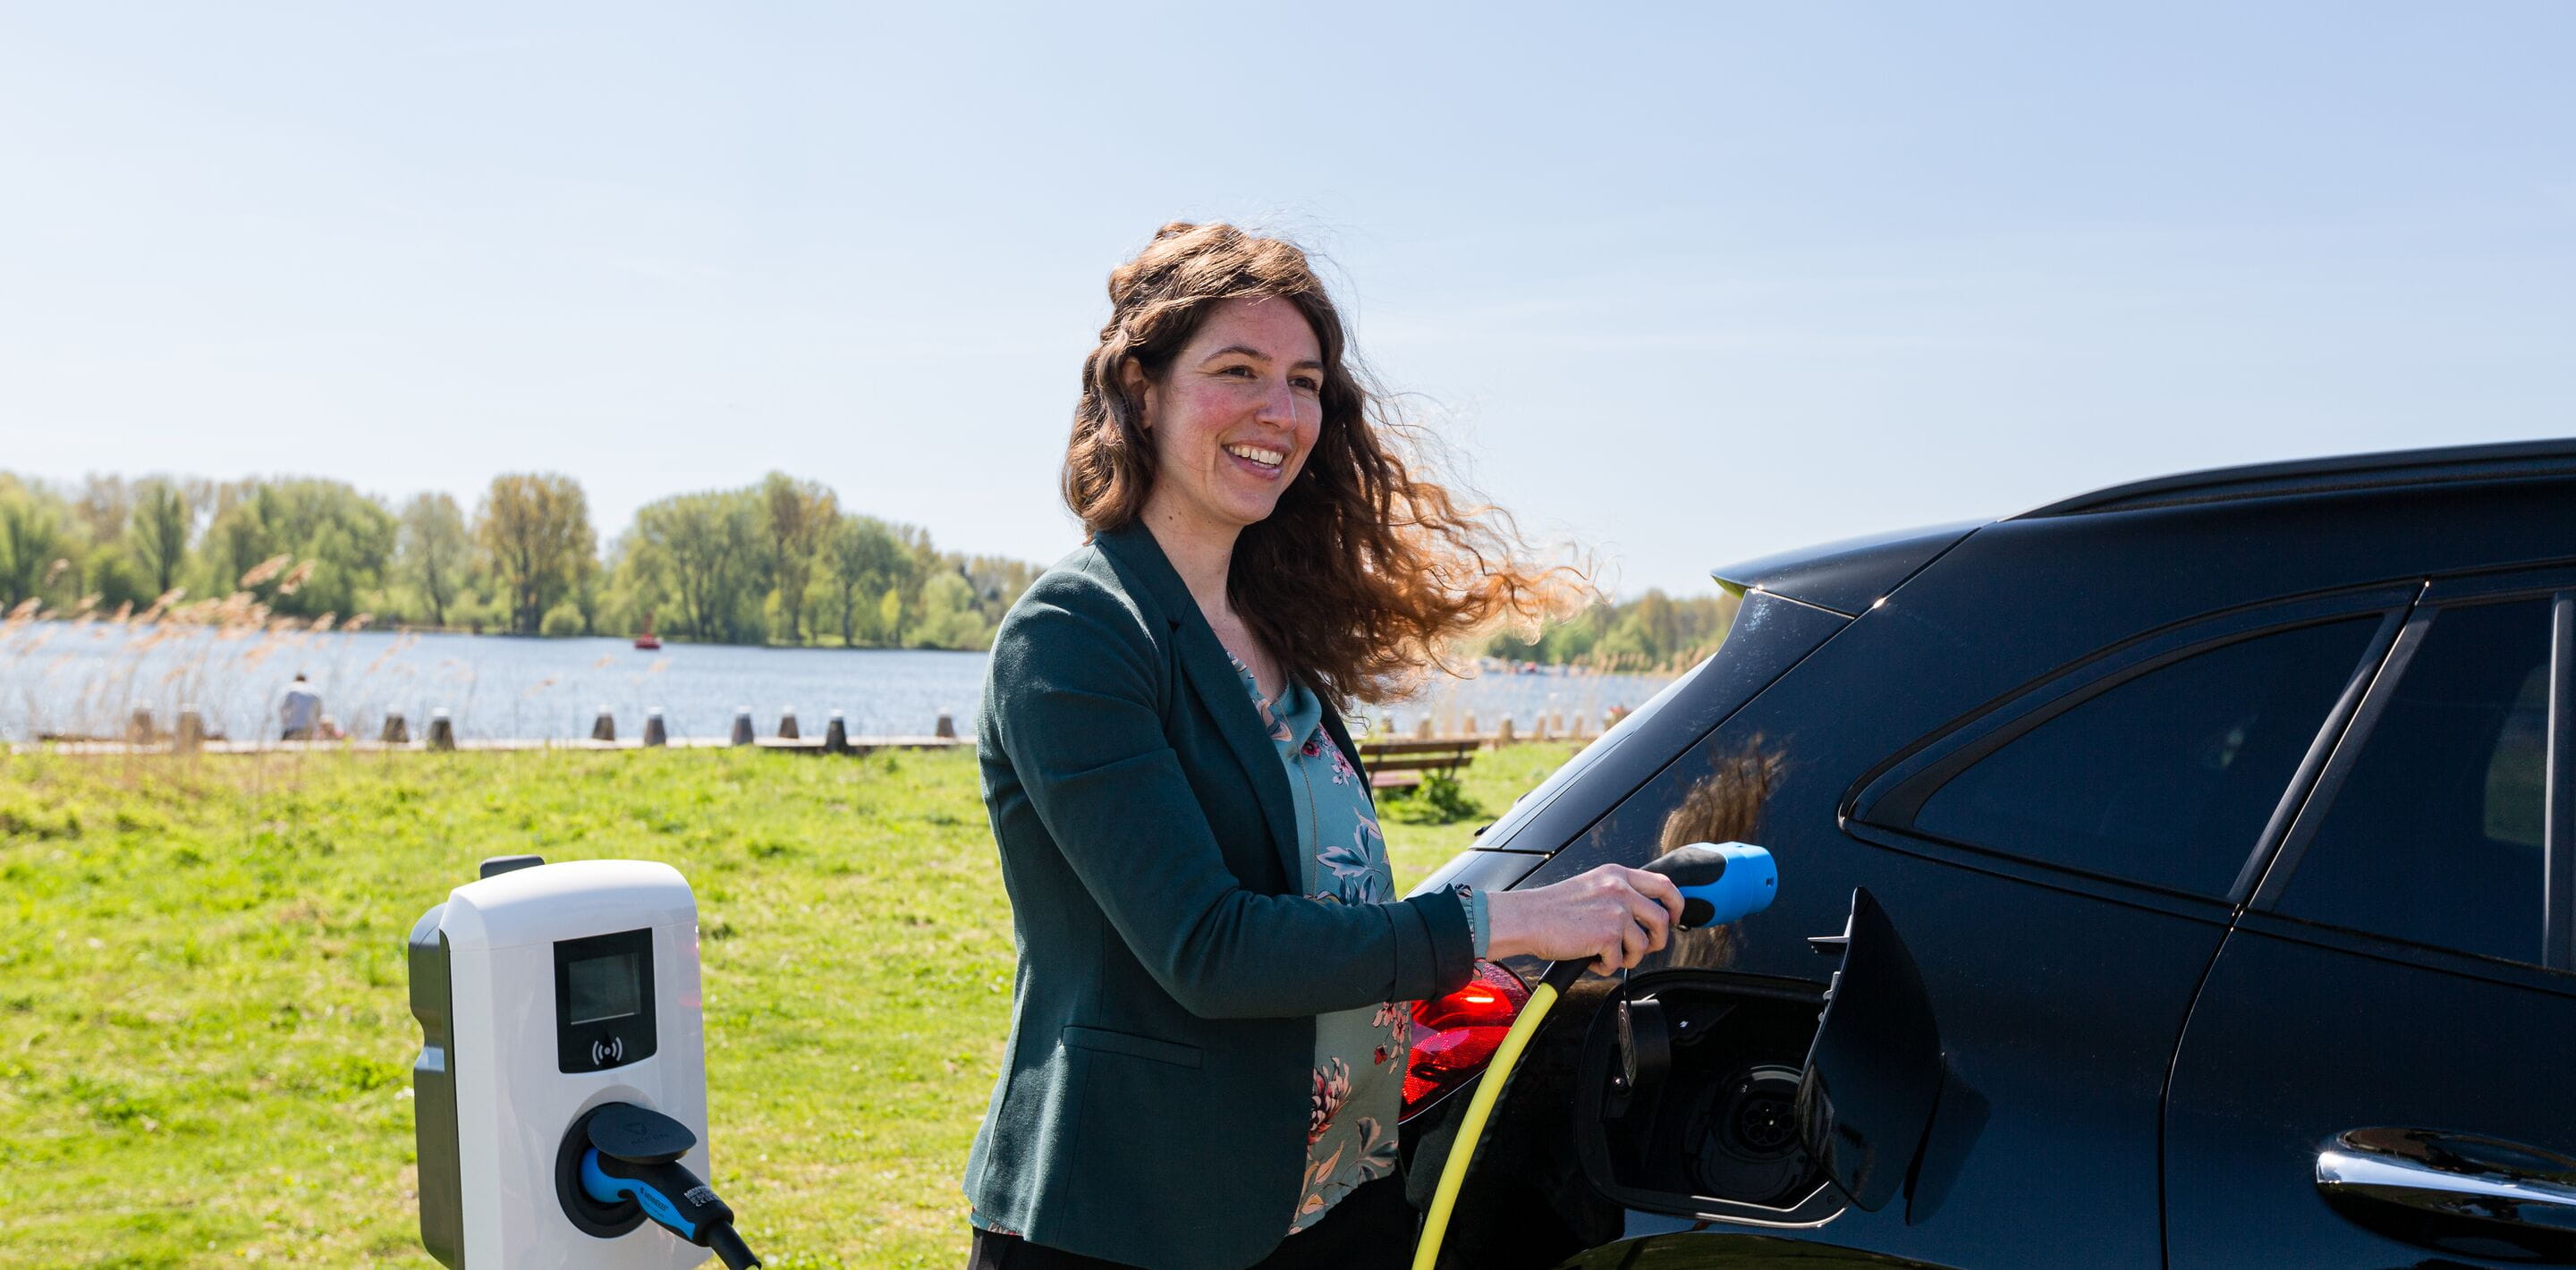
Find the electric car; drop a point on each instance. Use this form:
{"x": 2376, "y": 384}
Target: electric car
{"x": 2179, "y": 875}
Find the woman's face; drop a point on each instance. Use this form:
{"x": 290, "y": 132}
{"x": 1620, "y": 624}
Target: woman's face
{"x": 1234, "y": 416}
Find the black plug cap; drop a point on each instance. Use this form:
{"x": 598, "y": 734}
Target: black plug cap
{"x": 639, "y": 1135}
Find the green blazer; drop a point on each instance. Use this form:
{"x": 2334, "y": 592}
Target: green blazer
{"x": 1152, "y": 1104}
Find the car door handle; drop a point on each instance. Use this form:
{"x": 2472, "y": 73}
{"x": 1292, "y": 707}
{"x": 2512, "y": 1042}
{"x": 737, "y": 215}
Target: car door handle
{"x": 2430, "y": 1187}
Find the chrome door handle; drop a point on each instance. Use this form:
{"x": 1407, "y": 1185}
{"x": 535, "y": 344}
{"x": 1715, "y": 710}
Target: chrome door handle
{"x": 2430, "y": 1187}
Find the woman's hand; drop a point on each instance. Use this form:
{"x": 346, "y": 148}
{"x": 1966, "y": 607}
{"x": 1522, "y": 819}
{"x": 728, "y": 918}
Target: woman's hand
{"x": 1614, "y": 915}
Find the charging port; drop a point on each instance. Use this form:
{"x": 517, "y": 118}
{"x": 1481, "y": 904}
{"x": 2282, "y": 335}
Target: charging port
{"x": 1685, "y": 1096}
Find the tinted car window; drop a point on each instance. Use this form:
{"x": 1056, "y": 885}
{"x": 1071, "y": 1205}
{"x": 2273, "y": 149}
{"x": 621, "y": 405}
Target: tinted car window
{"x": 2167, "y": 778}
{"x": 2435, "y": 835}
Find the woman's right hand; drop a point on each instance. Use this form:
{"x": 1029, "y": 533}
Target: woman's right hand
{"x": 1614, "y": 915}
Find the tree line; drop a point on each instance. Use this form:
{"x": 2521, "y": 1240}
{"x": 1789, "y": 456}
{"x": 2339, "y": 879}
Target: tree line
{"x": 1652, "y": 634}
{"x": 777, "y": 562}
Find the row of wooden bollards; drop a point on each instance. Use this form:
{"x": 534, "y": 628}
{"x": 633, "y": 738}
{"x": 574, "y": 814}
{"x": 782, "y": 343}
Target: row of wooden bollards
{"x": 1550, "y": 727}
{"x": 191, "y": 733}
{"x": 440, "y": 733}
{"x": 603, "y": 728}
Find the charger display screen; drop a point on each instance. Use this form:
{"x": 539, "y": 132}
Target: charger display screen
{"x": 603, "y": 988}
{"x": 604, "y": 1011}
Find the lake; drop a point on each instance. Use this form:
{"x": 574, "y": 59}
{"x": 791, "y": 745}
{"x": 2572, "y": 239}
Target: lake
{"x": 85, "y": 678}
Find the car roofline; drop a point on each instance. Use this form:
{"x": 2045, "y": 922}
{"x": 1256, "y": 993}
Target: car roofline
{"x": 2394, "y": 469}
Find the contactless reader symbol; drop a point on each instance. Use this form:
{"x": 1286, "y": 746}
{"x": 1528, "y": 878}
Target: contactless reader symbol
{"x": 607, "y": 1052}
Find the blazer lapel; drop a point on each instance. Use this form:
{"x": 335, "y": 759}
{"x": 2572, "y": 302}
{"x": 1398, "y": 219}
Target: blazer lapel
{"x": 1204, "y": 662}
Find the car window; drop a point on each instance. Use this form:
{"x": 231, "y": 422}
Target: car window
{"x": 2165, "y": 779}
{"x": 2435, "y": 835}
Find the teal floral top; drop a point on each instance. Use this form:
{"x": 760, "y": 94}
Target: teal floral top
{"x": 1360, "y": 1055}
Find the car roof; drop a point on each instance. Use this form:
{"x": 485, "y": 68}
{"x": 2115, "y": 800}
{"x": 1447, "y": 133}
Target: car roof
{"x": 2417, "y": 498}
{"x": 2394, "y": 469}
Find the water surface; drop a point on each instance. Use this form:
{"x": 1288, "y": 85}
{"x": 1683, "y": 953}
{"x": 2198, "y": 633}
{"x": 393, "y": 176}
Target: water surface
{"x": 84, "y": 678}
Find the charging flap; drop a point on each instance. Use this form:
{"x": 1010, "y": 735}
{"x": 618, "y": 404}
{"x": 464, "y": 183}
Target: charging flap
{"x": 1874, "y": 1071}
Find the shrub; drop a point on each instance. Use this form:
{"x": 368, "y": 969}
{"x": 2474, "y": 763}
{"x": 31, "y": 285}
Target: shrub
{"x": 563, "y": 619}
{"x": 1438, "y": 800}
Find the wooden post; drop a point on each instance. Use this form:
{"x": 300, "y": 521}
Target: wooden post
{"x": 654, "y": 733}
{"x": 787, "y": 725}
{"x": 742, "y": 725}
{"x": 1424, "y": 730}
{"x": 946, "y": 727}
{"x": 442, "y": 730}
{"x": 1540, "y": 732}
{"x": 1471, "y": 727}
{"x": 192, "y": 728}
{"x": 1503, "y": 731}
{"x": 138, "y": 729}
{"x": 604, "y": 728}
{"x": 836, "y": 735}
{"x": 397, "y": 729}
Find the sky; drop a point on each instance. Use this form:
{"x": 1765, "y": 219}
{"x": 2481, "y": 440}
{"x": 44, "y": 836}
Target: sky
{"x": 1676, "y": 285}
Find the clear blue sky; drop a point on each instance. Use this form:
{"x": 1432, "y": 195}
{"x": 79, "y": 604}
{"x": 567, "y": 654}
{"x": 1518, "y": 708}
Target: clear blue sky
{"x": 1688, "y": 284}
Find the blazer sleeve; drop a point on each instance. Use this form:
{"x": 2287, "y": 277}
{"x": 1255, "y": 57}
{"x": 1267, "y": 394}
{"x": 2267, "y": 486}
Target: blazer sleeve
{"x": 1074, "y": 677}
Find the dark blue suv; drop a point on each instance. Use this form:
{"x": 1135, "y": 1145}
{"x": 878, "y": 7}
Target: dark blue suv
{"x": 2184, "y": 875}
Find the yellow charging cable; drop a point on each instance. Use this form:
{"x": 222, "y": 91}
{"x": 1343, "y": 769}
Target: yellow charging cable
{"x": 1471, "y": 1130}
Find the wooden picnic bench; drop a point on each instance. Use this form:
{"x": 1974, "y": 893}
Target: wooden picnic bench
{"x": 1401, "y": 764}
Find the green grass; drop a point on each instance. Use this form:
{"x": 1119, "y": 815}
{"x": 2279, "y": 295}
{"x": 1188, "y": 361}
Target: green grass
{"x": 205, "y": 1043}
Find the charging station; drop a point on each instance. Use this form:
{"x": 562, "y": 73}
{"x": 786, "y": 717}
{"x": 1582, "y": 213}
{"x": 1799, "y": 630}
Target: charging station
{"x": 561, "y": 1085}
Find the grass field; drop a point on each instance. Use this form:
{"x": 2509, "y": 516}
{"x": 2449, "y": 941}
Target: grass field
{"x": 204, "y": 1039}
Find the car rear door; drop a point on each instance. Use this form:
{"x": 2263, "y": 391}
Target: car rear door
{"x": 2060, "y": 867}
{"x": 2375, "y": 1072}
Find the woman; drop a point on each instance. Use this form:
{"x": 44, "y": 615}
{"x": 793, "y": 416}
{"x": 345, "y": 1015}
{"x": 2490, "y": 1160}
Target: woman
{"x": 1208, "y": 1030}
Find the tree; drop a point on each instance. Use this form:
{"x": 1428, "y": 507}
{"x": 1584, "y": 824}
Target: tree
{"x": 998, "y": 582}
{"x": 31, "y": 541}
{"x": 159, "y": 531}
{"x": 798, "y": 515}
{"x": 890, "y": 615}
{"x": 1653, "y": 631}
{"x": 702, "y": 551}
{"x": 338, "y": 540}
{"x": 535, "y": 531}
{"x": 862, "y": 559}
{"x": 434, "y": 551}
{"x": 104, "y": 505}
{"x": 948, "y": 615}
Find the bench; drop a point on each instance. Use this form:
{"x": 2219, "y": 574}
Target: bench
{"x": 1401, "y": 764}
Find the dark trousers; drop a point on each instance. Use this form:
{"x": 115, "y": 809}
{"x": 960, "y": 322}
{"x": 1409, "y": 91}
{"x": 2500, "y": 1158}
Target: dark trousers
{"x": 1371, "y": 1229}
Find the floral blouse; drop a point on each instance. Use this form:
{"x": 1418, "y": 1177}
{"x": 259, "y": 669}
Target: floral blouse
{"x": 1361, "y": 1054}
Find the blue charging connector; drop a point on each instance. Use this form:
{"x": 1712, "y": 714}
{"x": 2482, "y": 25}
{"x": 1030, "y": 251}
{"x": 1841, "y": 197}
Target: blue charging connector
{"x": 632, "y": 1156}
{"x": 615, "y": 1190}
{"x": 1720, "y": 882}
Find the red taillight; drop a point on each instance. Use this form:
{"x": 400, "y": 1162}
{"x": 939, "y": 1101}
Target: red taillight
{"x": 1455, "y": 1035}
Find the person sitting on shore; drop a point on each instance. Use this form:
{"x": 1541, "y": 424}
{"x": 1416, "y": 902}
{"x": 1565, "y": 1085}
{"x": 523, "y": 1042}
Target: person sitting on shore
{"x": 301, "y": 710}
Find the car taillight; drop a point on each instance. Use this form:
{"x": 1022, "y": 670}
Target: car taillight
{"x": 1455, "y": 1035}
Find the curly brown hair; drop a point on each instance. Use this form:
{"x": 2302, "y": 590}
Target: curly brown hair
{"x": 1368, "y": 572}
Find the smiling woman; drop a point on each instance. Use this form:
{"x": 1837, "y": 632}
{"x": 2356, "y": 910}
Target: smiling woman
{"x": 1224, "y": 366}
{"x": 1210, "y": 1028}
